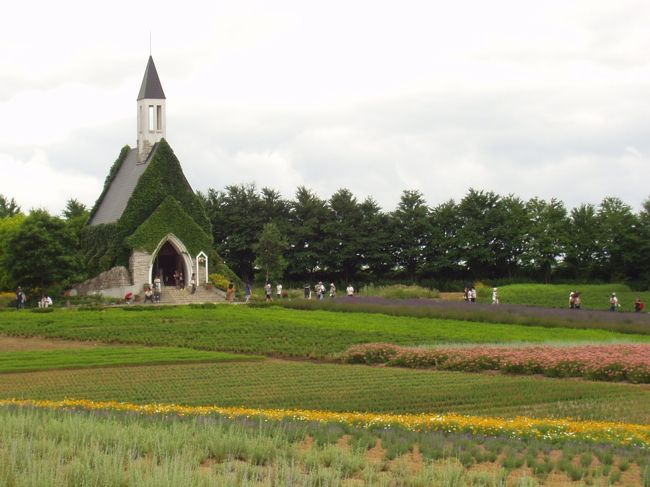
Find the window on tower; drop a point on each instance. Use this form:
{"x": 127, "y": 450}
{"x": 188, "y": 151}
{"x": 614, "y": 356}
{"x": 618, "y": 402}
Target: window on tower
{"x": 158, "y": 118}
{"x": 152, "y": 115}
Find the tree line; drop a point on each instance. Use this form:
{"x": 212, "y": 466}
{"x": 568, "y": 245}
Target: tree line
{"x": 483, "y": 236}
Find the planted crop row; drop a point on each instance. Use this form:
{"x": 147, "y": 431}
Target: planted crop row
{"x": 277, "y": 384}
{"x": 613, "y": 362}
{"x": 25, "y": 361}
{"x": 557, "y": 430}
{"x": 277, "y": 331}
{"x": 57, "y": 448}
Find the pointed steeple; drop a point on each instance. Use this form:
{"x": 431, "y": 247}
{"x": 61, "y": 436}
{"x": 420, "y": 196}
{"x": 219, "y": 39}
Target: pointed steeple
{"x": 151, "y": 87}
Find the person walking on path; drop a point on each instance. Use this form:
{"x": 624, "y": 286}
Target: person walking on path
{"x": 613, "y": 302}
{"x": 20, "y": 298}
{"x": 248, "y": 292}
{"x": 267, "y": 291}
{"x": 495, "y": 296}
{"x": 577, "y": 300}
{"x": 278, "y": 290}
{"x": 349, "y": 291}
{"x": 332, "y": 290}
{"x": 638, "y": 305}
{"x": 320, "y": 289}
{"x": 307, "y": 291}
{"x": 230, "y": 293}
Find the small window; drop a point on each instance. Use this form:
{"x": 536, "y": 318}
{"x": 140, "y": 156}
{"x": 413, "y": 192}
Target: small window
{"x": 158, "y": 118}
{"x": 152, "y": 115}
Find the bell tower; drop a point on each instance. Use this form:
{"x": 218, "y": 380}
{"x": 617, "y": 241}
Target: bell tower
{"x": 152, "y": 119}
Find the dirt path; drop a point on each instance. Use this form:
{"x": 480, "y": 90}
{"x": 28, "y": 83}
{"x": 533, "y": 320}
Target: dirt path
{"x": 14, "y": 344}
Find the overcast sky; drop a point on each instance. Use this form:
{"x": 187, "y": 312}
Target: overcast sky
{"x": 534, "y": 98}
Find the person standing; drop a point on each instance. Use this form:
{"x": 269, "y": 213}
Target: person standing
{"x": 278, "y": 291}
{"x": 332, "y": 290}
{"x": 156, "y": 289}
{"x": 613, "y": 302}
{"x": 267, "y": 291}
{"x": 248, "y": 292}
{"x": 495, "y": 296}
{"x": 181, "y": 280}
{"x": 577, "y": 300}
{"x": 349, "y": 291}
{"x": 193, "y": 283}
{"x": 20, "y": 298}
{"x": 319, "y": 290}
{"x": 230, "y": 293}
{"x": 307, "y": 291}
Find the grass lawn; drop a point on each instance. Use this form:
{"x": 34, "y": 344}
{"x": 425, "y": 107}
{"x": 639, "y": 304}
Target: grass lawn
{"x": 23, "y": 361}
{"x": 278, "y": 331}
{"x": 304, "y": 385}
{"x": 593, "y": 296}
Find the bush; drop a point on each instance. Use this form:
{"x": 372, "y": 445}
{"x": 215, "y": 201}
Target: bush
{"x": 219, "y": 281}
{"x": 400, "y": 291}
{"x": 373, "y": 353}
{"x": 7, "y": 300}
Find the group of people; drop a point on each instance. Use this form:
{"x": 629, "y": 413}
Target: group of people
{"x": 469, "y": 294}
{"x": 575, "y": 301}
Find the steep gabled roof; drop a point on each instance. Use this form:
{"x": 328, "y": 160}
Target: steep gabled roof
{"x": 151, "y": 87}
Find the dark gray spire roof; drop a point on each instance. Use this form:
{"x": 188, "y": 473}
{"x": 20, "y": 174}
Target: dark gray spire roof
{"x": 151, "y": 87}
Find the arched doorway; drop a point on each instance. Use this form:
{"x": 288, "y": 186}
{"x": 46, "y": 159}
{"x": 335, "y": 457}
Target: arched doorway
{"x": 167, "y": 261}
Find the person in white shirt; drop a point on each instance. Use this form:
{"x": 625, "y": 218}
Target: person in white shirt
{"x": 495, "y": 296}
{"x": 278, "y": 290}
{"x": 613, "y": 302}
{"x": 332, "y": 290}
{"x": 349, "y": 291}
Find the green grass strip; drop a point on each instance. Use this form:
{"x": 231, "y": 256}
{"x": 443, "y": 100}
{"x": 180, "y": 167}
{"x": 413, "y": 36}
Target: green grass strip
{"x": 82, "y": 358}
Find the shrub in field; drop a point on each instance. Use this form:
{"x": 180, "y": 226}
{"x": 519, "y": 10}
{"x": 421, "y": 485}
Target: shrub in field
{"x": 597, "y": 362}
{"x": 400, "y": 291}
{"x": 220, "y": 281}
{"x": 7, "y": 299}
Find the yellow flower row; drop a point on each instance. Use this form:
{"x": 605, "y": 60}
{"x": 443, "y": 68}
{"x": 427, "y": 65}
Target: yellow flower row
{"x": 519, "y": 427}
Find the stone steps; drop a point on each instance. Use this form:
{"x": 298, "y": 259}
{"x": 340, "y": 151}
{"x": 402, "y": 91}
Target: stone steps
{"x": 171, "y": 295}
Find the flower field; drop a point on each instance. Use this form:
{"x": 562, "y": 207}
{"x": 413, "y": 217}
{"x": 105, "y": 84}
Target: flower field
{"x": 520, "y": 427}
{"x": 612, "y": 362}
{"x": 335, "y": 387}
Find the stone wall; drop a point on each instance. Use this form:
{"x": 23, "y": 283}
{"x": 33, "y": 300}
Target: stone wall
{"x": 117, "y": 277}
{"x": 140, "y": 264}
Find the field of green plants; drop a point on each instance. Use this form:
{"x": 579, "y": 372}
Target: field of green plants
{"x": 278, "y": 331}
{"x": 593, "y": 296}
{"x": 192, "y": 356}
{"x": 303, "y": 385}
{"x": 57, "y": 448}
{"x": 27, "y": 360}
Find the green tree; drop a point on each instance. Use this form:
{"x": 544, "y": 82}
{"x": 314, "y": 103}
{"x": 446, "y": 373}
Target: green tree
{"x": 582, "y": 243}
{"x": 306, "y": 251}
{"x": 42, "y": 252}
{"x": 547, "y": 237}
{"x": 8, "y": 228}
{"x": 342, "y": 240}
{"x": 75, "y": 209}
{"x": 442, "y": 255}
{"x": 618, "y": 241}
{"x": 8, "y": 207}
{"x": 374, "y": 240}
{"x": 410, "y": 232}
{"x": 269, "y": 250}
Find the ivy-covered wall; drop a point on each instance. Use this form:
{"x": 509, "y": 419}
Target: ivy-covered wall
{"x": 162, "y": 178}
{"x": 170, "y": 217}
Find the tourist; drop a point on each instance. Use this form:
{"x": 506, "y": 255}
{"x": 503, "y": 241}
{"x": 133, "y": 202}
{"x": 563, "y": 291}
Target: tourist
{"x": 148, "y": 295}
{"x": 638, "y": 305}
{"x": 278, "y": 291}
{"x": 181, "y": 280}
{"x": 613, "y": 302}
{"x": 577, "y": 300}
{"x": 156, "y": 289}
{"x": 128, "y": 298}
{"x": 20, "y": 298}
{"x": 267, "y": 291}
{"x": 472, "y": 294}
{"x": 466, "y": 294}
{"x": 332, "y": 290}
{"x": 495, "y": 296}
{"x": 193, "y": 283}
{"x": 230, "y": 292}
{"x": 307, "y": 291}
{"x": 176, "y": 280}
{"x": 45, "y": 301}
{"x": 572, "y": 298}
{"x": 248, "y": 292}
{"x": 320, "y": 289}
{"x": 349, "y": 291}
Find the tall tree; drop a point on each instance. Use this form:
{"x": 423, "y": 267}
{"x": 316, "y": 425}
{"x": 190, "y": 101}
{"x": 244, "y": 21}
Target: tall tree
{"x": 342, "y": 241}
{"x": 511, "y": 233}
{"x": 374, "y": 240}
{"x": 618, "y": 240}
{"x": 74, "y": 209}
{"x": 547, "y": 237}
{"x": 442, "y": 255}
{"x": 306, "y": 251}
{"x": 410, "y": 232}
{"x": 8, "y": 227}
{"x": 42, "y": 252}
{"x": 269, "y": 250}
{"x": 582, "y": 245}
{"x": 8, "y": 207}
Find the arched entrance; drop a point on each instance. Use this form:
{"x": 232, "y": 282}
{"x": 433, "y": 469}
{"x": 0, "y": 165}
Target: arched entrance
{"x": 171, "y": 256}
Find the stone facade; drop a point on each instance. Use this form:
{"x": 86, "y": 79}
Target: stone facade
{"x": 140, "y": 266}
{"x": 117, "y": 277}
